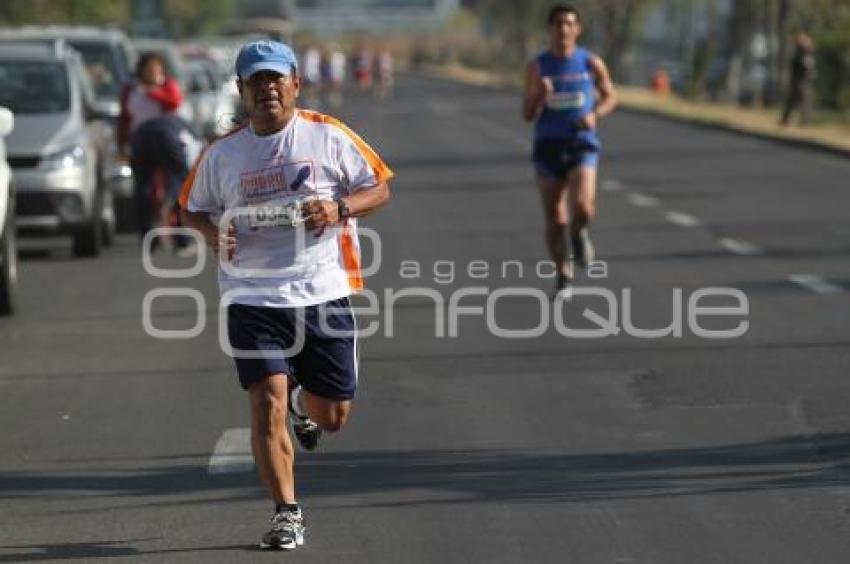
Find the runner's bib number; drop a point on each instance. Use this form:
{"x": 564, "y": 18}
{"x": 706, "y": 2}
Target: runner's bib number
{"x": 566, "y": 101}
{"x": 285, "y": 215}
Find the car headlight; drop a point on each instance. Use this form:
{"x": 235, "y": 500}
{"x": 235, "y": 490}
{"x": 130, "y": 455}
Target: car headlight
{"x": 69, "y": 157}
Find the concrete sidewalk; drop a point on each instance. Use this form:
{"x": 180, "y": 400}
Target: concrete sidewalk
{"x": 752, "y": 121}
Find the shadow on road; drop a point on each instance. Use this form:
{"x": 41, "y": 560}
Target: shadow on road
{"x": 488, "y": 476}
{"x": 100, "y": 549}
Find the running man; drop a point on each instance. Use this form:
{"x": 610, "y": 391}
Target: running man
{"x": 312, "y": 76}
{"x": 567, "y": 90}
{"x": 386, "y": 72}
{"x": 286, "y": 289}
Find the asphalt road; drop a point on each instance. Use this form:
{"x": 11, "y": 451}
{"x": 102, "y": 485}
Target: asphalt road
{"x": 119, "y": 447}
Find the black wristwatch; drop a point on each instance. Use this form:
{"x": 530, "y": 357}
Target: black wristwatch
{"x": 342, "y": 209}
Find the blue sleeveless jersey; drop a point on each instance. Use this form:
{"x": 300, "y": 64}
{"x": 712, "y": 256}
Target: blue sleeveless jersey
{"x": 575, "y": 95}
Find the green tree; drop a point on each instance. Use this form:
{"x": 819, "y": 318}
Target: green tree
{"x": 617, "y": 22}
{"x": 198, "y": 17}
{"x": 73, "y": 12}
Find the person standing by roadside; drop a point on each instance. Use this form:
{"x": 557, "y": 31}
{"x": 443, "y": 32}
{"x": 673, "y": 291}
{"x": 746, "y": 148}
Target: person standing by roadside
{"x": 150, "y": 94}
{"x": 163, "y": 149}
{"x": 156, "y": 154}
{"x": 802, "y": 76}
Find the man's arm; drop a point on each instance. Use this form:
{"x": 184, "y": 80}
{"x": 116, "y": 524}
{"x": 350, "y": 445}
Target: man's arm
{"x": 367, "y": 200}
{"x": 209, "y": 231}
{"x": 535, "y": 91}
{"x": 607, "y": 100}
{"x": 607, "y": 93}
{"x": 322, "y": 213}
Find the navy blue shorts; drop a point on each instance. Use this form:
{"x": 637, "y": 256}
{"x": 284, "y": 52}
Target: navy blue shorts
{"x": 326, "y": 363}
{"x": 554, "y": 158}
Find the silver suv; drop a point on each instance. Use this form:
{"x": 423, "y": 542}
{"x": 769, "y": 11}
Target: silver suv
{"x": 53, "y": 150}
{"x": 109, "y": 58}
{"x": 8, "y": 250}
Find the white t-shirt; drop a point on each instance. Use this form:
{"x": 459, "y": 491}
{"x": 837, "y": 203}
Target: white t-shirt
{"x": 244, "y": 176}
{"x": 141, "y": 107}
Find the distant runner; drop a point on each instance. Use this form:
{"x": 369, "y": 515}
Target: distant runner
{"x": 386, "y": 72}
{"x": 560, "y": 93}
{"x": 286, "y": 169}
{"x": 362, "y": 64}
{"x": 312, "y": 76}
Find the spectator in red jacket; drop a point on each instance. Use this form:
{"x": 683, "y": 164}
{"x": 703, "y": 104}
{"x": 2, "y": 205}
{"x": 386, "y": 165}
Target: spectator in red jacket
{"x": 152, "y": 93}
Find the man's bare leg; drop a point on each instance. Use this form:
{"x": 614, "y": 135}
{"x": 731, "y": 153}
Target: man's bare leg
{"x": 555, "y": 216}
{"x": 582, "y": 206}
{"x": 270, "y": 441}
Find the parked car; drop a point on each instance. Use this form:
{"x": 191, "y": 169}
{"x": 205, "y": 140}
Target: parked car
{"x": 8, "y": 249}
{"x": 203, "y": 95}
{"x": 109, "y": 59}
{"x": 216, "y": 104}
{"x": 54, "y": 150}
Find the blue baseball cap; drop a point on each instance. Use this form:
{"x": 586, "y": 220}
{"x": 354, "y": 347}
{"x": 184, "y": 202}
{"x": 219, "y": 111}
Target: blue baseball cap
{"x": 265, "y": 55}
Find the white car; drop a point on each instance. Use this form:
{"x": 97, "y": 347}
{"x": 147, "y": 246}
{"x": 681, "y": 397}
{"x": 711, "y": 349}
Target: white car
{"x": 8, "y": 250}
{"x": 60, "y": 186}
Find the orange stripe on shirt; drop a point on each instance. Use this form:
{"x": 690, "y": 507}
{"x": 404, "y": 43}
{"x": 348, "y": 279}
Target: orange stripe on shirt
{"x": 186, "y": 189}
{"x": 382, "y": 172}
{"x": 351, "y": 259}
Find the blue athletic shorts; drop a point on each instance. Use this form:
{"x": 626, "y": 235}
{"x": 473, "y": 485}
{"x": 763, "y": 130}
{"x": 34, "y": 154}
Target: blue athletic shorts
{"x": 554, "y": 158}
{"x": 326, "y": 364}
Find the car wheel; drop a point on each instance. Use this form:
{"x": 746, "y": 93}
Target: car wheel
{"x": 8, "y": 269}
{"x": 88, "y": 241}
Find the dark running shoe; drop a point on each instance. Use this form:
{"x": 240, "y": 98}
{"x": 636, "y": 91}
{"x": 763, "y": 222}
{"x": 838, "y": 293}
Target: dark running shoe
{"x": 583, "y": 252}
{"x": 562, "y": 283}
{"x": 306, "y": 431}
{"x": 287, "y": 531}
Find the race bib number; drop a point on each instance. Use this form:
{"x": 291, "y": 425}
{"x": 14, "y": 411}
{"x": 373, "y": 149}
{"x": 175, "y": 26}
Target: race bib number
{"x": 274, "y": 215}
{"x": 566, "y": 101}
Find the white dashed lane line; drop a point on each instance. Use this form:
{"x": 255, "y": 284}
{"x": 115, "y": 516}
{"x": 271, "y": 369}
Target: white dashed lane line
{"x": 232, "y": 452}
{"x": 612, "y": 185}
{"x": 815, "y": 283}
{"x": 682, "y": 219}
{"x": 811, "y": 282}
{"x": 642, "y": 200}
{"x": 740, "y": 247}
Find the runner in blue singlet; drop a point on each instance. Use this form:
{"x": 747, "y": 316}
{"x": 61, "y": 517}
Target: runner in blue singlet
{"x": 567, "y": 90}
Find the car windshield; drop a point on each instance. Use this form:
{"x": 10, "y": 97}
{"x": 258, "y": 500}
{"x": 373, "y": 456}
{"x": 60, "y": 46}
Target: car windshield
{"x": 101, "y": 69}
{"x": 34, "y": 87}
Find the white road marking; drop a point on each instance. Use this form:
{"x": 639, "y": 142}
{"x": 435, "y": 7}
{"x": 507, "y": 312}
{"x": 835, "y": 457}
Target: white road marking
{"x": 642, "y": 200}
{"x": 232, "y": 452}
{"x": 815, "y": 283}
{"x": 611, "y": 185}
{"x": 682, "y": 219}
{"x": 740, "y": 247}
